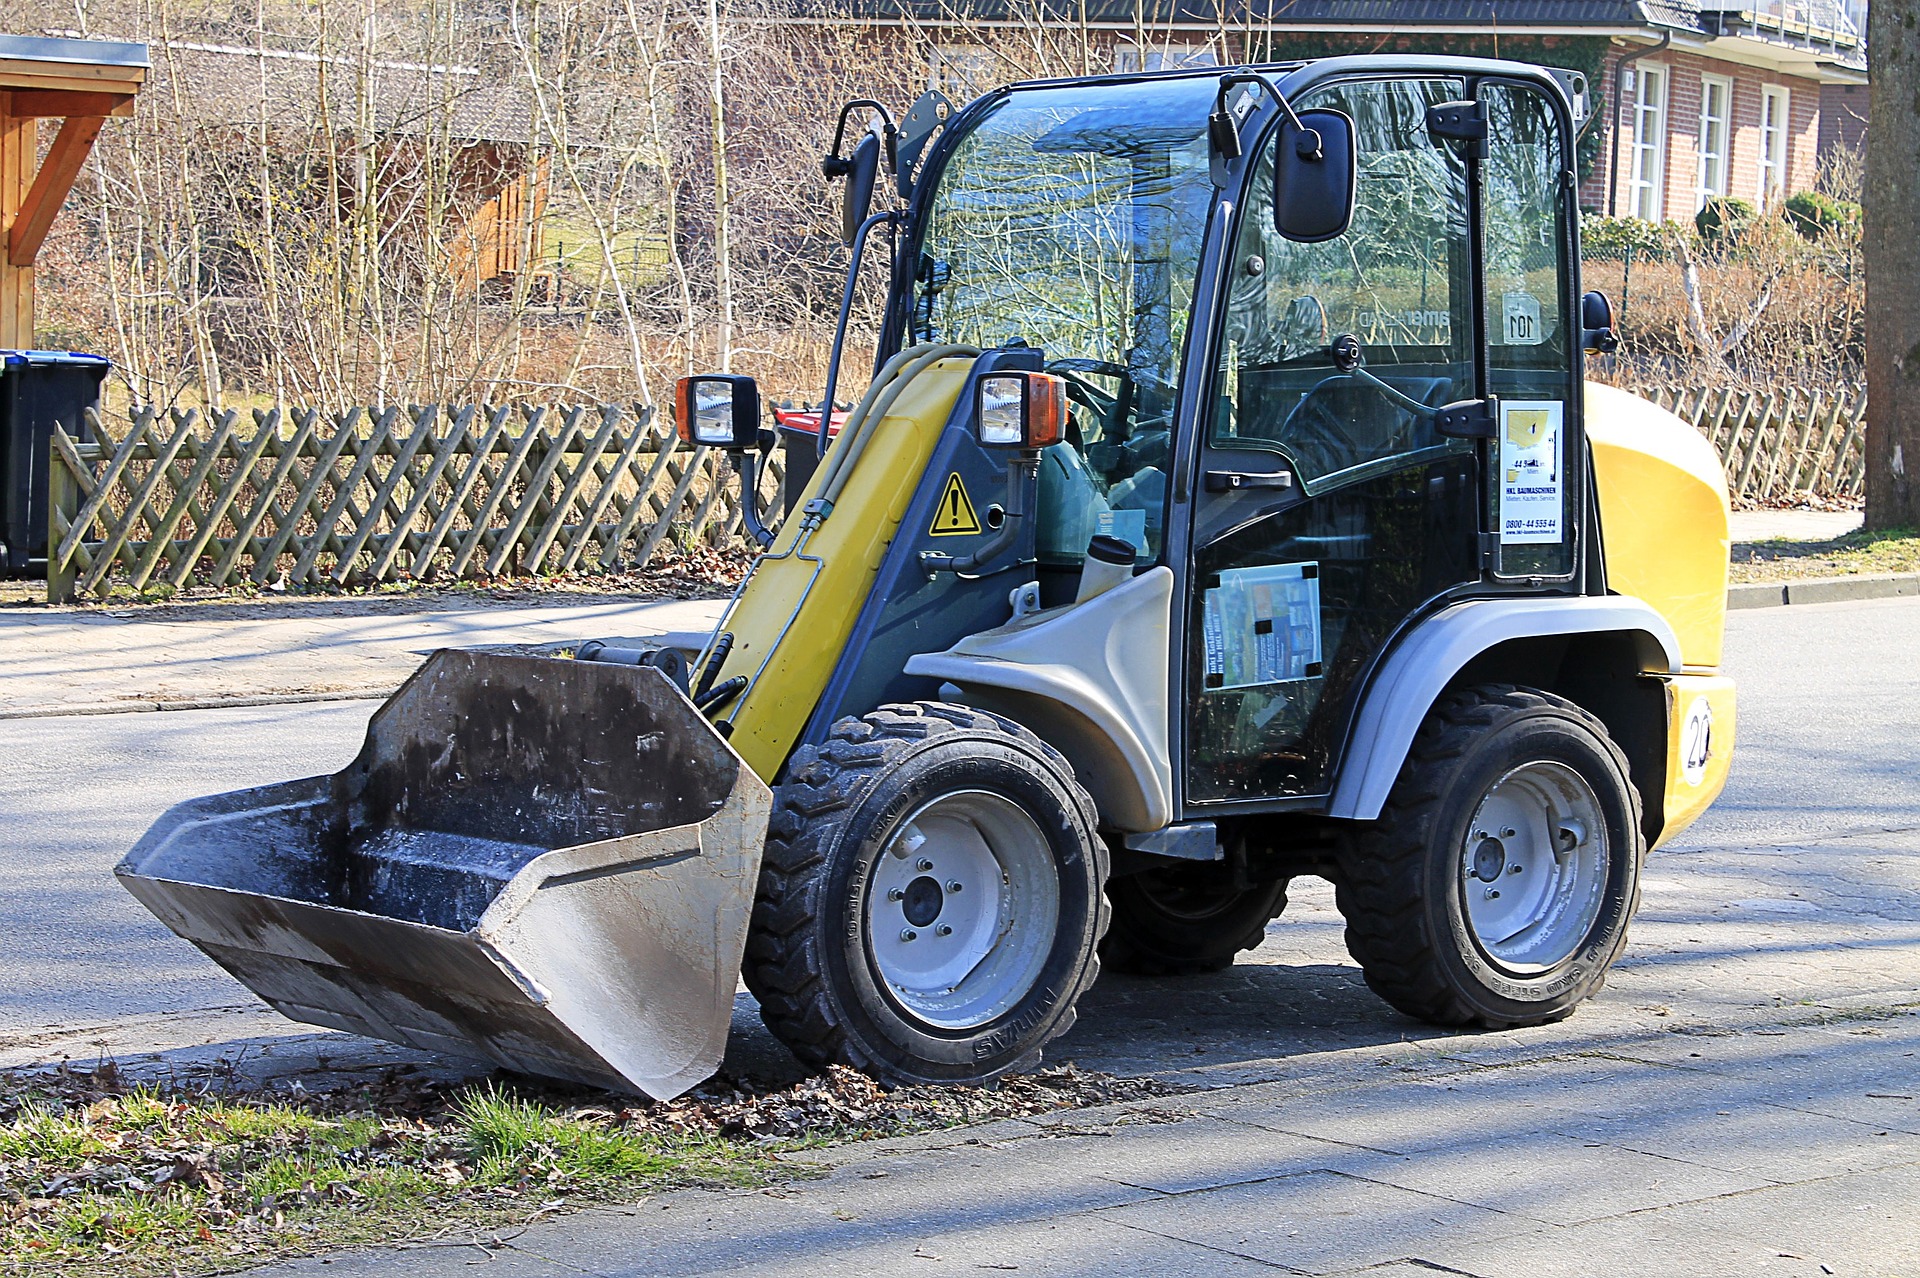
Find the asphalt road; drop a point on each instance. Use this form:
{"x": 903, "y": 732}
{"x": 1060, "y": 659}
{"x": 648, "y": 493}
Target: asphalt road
{"x": 1826, "y": 748}
{"x": 1739, "y": 1100}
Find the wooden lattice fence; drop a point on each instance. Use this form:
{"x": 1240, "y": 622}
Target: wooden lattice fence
{"x": 311, "y": 498}
{"x": 1778, "y": 442}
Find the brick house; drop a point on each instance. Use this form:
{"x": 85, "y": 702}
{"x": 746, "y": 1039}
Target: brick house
{"x": 1731, "y": 98}
{"x": 1738, "y": 103}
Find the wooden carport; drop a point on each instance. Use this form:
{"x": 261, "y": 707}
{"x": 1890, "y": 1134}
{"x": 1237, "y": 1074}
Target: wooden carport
{"x": 79, "y": 83}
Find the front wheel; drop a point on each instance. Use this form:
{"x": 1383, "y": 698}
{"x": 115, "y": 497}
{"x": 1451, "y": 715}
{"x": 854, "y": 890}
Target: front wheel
{"x": 1496, "y": 887}
{"x": 930, "y": 900}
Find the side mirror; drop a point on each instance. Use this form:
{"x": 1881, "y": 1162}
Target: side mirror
{"x": 1596, "y": 324}
{"x": 863, "y": 169}
{"x": 1313, "y": 177}
{"x": 718, "y": 410}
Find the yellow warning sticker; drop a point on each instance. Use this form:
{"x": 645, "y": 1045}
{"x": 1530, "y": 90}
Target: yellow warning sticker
{"x": 954, "y": 515}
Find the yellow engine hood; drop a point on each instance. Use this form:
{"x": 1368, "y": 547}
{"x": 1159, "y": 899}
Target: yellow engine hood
{"x": 1663, "y": 516}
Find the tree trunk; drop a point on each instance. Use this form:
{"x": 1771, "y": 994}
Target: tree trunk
{"x": 1892, "y": 206}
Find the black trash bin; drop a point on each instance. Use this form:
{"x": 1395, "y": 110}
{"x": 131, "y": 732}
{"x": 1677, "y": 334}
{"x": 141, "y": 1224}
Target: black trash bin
{"x": 37, "y": 389}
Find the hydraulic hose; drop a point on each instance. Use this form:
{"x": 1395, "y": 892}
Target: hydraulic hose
{"x": 892, "y": 379}
{"x": 888, "y": 384}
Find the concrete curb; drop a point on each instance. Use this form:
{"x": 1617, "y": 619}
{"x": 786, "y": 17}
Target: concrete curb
{"x": 201, "y": 703}
{"x": 1772, "y": 594}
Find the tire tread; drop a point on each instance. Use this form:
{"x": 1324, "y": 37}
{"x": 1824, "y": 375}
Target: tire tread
{"x": 784, "y": 968}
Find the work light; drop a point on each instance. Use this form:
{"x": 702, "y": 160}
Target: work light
{"x": 1021, "y": 410}
{"x": 719, "y": 410}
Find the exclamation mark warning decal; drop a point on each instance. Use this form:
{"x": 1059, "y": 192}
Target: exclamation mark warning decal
{"x": 954, "y": 516}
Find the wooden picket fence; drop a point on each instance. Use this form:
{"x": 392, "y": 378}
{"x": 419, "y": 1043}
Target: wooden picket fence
{"x": 308, "y": 498}
{"x": 1778, "y": 442}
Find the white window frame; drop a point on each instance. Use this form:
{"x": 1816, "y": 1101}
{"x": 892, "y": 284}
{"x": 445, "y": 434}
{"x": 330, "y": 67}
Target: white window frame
{"x": 961, "y": 71}
{"x": 1166, "y": 55}
{"x": 1647, "y": 143}
{"x": 1776, "y": 124}
{"x": 1715, "y": 143}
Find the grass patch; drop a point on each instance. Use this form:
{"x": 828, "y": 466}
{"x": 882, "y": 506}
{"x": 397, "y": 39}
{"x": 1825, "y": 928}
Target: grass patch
{"x": 159, "y": 1180}
{"x": 1856, "y": 553}
{"x": 103, "y": 1175}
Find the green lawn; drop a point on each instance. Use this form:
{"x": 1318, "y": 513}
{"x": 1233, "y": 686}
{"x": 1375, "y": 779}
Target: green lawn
{"x": 1855, "y": 553}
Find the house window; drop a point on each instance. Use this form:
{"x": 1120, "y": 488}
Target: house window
{"x": 1647, "y": 159}
{"x": 1716, "y": 99}
{"x": 1773, "y": 144}
{"x": 961, "y": 71}
{"x": 1128, "y": 58}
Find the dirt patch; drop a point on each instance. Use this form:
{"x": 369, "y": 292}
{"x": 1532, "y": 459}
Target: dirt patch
{"x": 101, "y": 1174}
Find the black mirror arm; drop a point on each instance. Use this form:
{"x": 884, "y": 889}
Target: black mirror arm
{"x": 840, "y": 329}
{"x": 1225, "y": 130}
{"x": 835, "y": 165}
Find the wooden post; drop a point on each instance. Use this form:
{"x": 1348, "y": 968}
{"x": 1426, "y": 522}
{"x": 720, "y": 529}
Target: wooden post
{"x": 79, "y": 83}
{"x": 63, "y": 502}
{"x": 19, "y": 148}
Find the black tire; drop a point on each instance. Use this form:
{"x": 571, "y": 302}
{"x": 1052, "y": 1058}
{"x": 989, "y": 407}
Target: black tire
{"x": 810, "y": 959}
{"x": 1404, "y": 879}
{"x": 1179, "y": 919}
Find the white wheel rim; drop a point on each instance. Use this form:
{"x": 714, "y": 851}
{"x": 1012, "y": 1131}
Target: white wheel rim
{"x": 961, "y": 909}
{"x": 1533, "y": 871}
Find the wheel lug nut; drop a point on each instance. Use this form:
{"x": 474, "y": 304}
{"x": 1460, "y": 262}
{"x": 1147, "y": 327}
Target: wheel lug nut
{"x": 1493, "y": 894}
{"x": 923, "y": 865}
{"x": 953, "y": 885}
{"x": 1513, "y": 869}
{"x": 943, "y": 930}
{"x": 1508, "y": 833}
{"x": 895, "y": 894}
{"x": 908, "y": 934}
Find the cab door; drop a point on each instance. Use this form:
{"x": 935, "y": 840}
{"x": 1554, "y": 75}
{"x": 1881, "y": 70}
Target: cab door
{"x": 1330, "y": 511}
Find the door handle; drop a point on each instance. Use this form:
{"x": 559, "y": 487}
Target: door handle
{"x": 1226, "y": 481}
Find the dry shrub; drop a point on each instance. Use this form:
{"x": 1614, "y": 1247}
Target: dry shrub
{"x": 1766, "y": 308}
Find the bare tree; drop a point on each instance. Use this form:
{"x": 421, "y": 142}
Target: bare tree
{"x": 1892, "y": 207}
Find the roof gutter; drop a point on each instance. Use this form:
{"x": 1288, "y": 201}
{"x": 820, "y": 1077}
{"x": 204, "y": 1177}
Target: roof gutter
{"x": 1619, "y": 88}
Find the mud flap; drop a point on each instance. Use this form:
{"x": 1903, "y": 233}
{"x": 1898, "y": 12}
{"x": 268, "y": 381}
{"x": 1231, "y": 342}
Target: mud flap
{"x": 548, "y": 864}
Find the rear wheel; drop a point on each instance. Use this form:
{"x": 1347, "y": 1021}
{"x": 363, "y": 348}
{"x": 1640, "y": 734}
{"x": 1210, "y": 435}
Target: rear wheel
{"x": 1496, "y": 887}
{"x": 930, "y": 900}
{"x": 1186, "y": 918}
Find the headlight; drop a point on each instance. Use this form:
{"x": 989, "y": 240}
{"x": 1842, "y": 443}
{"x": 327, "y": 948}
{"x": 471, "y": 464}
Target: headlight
{"x": 719, "y": 410}
{"x": 1021, "y": 410}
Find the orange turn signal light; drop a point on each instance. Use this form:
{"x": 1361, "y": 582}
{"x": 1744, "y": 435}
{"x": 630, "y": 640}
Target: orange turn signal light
{"x": 1021, "y": 410}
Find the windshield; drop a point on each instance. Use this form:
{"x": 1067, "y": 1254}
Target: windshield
{"x": 1073, "y": 219}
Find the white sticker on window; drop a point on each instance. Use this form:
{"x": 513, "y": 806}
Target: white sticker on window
{"x": 1532, "y": 487}
{"x": 1521, "y": 315}
{"x": 1262, "y": 625}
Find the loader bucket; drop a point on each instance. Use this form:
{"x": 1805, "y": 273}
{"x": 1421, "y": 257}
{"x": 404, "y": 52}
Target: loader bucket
{"x": 548, "y": 864}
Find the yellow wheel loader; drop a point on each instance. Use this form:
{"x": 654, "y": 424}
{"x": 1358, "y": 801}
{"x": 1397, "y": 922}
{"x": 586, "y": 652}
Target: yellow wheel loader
{"x": 1226, "y": 506}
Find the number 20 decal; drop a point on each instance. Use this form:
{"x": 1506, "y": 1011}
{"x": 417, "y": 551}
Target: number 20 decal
{"x": 1696, "y": 741}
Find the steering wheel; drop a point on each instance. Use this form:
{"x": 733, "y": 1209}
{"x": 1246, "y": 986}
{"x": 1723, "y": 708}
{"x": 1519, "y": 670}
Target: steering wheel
{"x": 1110, "y": 410}
{"x": 1314, "y": 426}
{"x": 1098, "y": 367}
